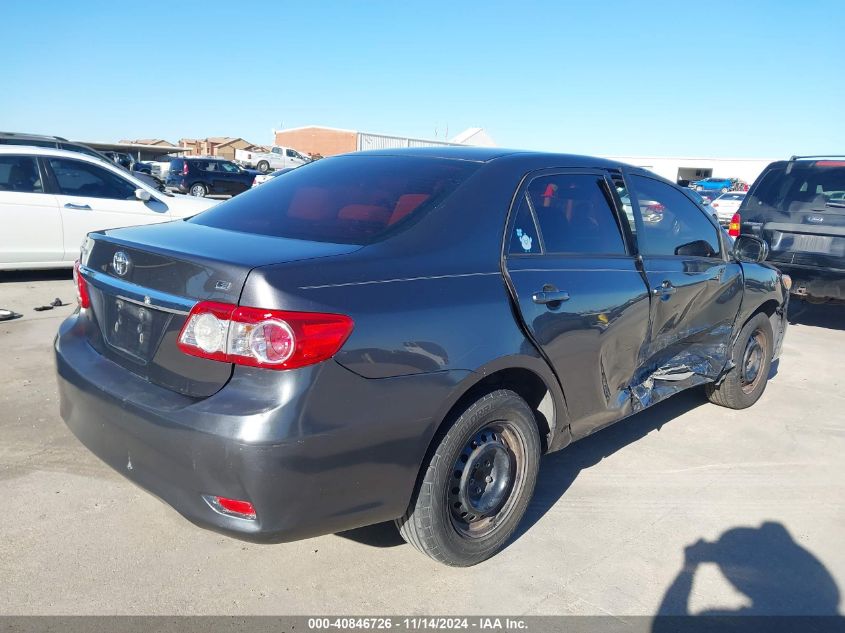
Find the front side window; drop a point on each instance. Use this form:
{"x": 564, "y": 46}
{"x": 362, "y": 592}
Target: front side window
{"x": 20, "y": 174}
{"x": 347, "y": 199}
{"x": 671, "y": 224}
{"x": 78, "y": 178}
{"x": 574, "y": 215}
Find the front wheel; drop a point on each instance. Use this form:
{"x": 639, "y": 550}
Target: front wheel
{"x": 263, "y": 166}
{"x": 752, "y": 356}
{"x": 476, "y": 485}
{"x": 198, "y": 189}
{"x": 723, "y": 190}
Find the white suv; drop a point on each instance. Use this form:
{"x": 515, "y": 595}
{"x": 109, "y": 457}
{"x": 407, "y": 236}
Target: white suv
{"x": 50, "y": 199}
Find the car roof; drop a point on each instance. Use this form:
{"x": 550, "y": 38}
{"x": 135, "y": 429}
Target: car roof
{"x": 34, "y": 137}
{"x": 488, "y": 154}
{"x": 50, "y": 151}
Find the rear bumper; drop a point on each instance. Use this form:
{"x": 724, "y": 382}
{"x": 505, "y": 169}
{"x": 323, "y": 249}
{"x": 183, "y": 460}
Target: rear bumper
{"x": 819, "y": 283}
{"x": 315, "y": 450}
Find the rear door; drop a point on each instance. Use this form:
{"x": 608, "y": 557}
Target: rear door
{"x": 579, "y": 291}
{"x": 29, "y": 217}
{"x": 92, "y": 197}
{"x": 695, "y": 290}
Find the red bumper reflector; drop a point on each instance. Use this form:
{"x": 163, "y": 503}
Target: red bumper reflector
{"x": 235, "y": 506}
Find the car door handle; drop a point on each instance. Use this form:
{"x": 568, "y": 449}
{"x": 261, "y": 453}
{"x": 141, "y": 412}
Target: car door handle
{"x": 85, "y": 207}
{"x": 717, "y": 276}
{"x": 550, "y": 296}
{"x": 665, "y": 289}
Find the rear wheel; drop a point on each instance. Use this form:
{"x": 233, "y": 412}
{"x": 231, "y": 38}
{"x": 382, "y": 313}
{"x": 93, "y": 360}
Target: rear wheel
{"x": 752, "y": 357}
{"x": 263, "y": 166}
{"x": 723, "y": 190}
{"x": 477, "y": 484}
{"x": 198, "y": 189}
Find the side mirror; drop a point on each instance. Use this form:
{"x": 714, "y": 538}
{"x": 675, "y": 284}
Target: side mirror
{"x": 142, "y": 194}
{"x": 751, "y": 249}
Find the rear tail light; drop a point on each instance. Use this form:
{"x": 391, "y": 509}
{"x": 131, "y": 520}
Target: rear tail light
{"x": 274, "y": 339}
{"x": 715, "y": 204}
{"x": 82, "y": 295}
{"x": 733, "y": 227}
{"x": 233, "y": 507}
{"x": 185, "y": 168}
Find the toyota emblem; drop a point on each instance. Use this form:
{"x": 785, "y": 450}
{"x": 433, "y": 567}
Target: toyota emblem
{"x": 121, "y": 263}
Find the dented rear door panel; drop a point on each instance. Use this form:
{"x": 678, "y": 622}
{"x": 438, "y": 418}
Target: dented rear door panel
{"x": 593, "y": 339}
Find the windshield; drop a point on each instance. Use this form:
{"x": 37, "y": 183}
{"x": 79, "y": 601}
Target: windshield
{"x": 349, "y": 199}
{"x": 732, "y": 196}
{"x": 809, "y": 187}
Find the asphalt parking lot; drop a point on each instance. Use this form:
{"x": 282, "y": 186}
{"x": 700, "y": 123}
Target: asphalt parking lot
{"x": 612, "y": 521}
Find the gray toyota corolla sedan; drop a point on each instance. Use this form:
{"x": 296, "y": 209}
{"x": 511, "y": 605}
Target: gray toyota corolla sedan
{"x": 399, "y": 335}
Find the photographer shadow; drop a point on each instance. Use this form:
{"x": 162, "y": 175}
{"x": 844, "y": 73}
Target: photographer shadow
{"x": 765, "y": 564}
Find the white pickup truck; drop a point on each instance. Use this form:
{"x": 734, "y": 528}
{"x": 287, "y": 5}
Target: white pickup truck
{"x": 276, "y": 158}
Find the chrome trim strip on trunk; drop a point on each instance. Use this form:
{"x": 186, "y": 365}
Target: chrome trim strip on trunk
{"x": 134, "y": 293}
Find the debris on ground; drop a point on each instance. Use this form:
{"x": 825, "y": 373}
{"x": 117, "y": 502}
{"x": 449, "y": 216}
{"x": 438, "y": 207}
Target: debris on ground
{"x": 8, "y": 315}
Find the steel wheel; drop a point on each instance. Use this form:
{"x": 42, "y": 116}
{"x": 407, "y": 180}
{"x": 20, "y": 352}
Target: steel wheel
{"x": 477, "y": 483}
{"x": 484, "y": 474}
{"x": 753, "y": 361}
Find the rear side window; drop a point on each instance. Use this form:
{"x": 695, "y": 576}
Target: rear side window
{"x": 78, "y": 178}
{"x": 574, "y": 216}
{"x": 20, "y": 174}
{"x": 815, "y": 187}
{"x": 350, "y": 199}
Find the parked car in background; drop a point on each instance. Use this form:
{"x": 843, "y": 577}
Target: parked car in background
{"x": 276, "y": 158}
{"x": 260, "y": 179}
{"x": 712, "y": 184}
{"x": 798, "y": 207}
{"x": 36, "y": 140}
{"x": 420, "y": 367}
{"x": 703, "y": 199}
{"x": 208, "y": 176}
{"x": 50, "y": 199}
{"x": 127, "y": 161}
{"x": 726, "y": 205}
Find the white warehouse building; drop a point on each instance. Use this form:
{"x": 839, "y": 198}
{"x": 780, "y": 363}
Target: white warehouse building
{"x": 686, "y": 169}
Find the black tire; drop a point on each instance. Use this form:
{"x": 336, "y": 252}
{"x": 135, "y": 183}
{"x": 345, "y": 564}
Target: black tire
{"x": 495, "y": 438}
{"x": 752, "y": 357}
{"x": 263, "y": 166}
{"x": 198, "y": 190}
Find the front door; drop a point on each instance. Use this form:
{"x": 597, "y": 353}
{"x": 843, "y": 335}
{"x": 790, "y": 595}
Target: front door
{"x": 695, "y": 290}
{"x": 580, "y": 293}
{"x": 92, "y": 197}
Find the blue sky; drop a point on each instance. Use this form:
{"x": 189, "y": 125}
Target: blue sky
{"x": 744, "y": 79}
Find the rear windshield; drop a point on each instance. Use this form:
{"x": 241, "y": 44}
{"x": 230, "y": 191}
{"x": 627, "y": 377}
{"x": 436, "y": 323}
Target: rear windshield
{"x": 347, "y": 199}
{"x": 732, "y": 196}
{"x": 809, "y": 187}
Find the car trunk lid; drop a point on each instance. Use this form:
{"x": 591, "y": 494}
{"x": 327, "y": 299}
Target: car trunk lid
{"x": 143, "y": 282}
